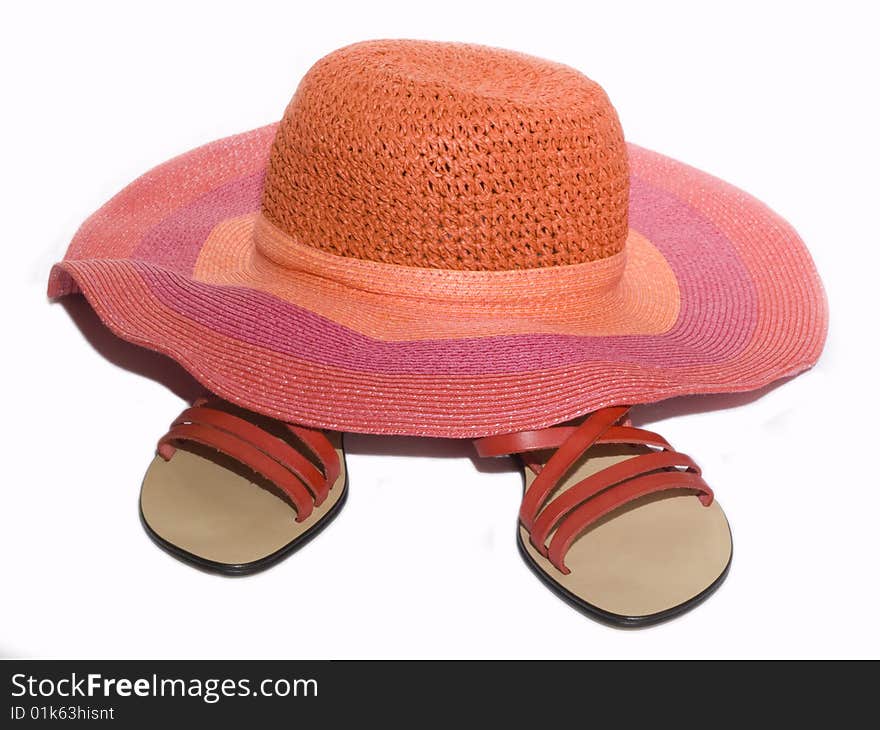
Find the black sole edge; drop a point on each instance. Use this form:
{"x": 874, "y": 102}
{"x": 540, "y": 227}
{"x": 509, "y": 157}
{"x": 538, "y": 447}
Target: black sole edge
{"x": 614, "y": 620}
{"x": 256, "y": 566}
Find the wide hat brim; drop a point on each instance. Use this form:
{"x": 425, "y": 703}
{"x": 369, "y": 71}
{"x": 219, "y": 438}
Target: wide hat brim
{"x": 716, "y": 293}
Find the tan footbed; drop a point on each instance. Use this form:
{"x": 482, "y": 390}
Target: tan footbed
{"x": 203, "y": 504}
{"x": 646, "y": 557}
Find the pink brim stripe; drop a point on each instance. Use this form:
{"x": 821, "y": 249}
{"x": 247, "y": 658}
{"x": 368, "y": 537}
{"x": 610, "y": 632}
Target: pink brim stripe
{"x": 424, "y": 405}
{"x": 175, "y": 242}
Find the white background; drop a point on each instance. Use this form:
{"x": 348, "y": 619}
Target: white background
{"x": 780, "y": 99}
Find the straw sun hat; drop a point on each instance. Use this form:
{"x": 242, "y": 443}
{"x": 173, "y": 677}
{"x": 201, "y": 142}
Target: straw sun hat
{"x": 447, "y": 240}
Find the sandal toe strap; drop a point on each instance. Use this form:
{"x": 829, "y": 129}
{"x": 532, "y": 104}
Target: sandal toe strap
{"x": 563, "y": 518}
{"x": 588, "y": 512}
{"x": 260, "y": 451}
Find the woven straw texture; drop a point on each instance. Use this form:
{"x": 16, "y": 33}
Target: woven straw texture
{"x": 292, "y": 272}
{"x": 442, "y": 155}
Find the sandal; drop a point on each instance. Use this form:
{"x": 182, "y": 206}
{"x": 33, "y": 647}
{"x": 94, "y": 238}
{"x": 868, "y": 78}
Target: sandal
{"x": 615, "y": 521}
{"x": 235, "y": 492}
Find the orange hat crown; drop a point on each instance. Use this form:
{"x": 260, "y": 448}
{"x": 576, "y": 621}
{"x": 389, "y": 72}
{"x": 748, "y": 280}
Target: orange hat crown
{"x": 449, "y": 156}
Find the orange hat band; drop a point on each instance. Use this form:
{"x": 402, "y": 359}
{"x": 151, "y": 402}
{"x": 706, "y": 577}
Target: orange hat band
{"x": 586, "y": 281}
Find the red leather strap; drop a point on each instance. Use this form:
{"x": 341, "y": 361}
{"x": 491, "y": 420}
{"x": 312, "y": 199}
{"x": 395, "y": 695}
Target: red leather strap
{"x": 315, "y": 441}
{"x": 529, "y": 444}
{"x": 269, "y": 444}
{"x": 635, "y": 436}
{"x": 615, "y": 497}
{"x": 520, "y": 443}
{"x": 588, "y": 488}
{"x": 321, "y": 448}
{"x": 209, "y": 424}
{"x": 246, "y": 454}
{"x": 563, "y": 458}
{"x": 576, "y": 508}
{"x": 553, "y": 437}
